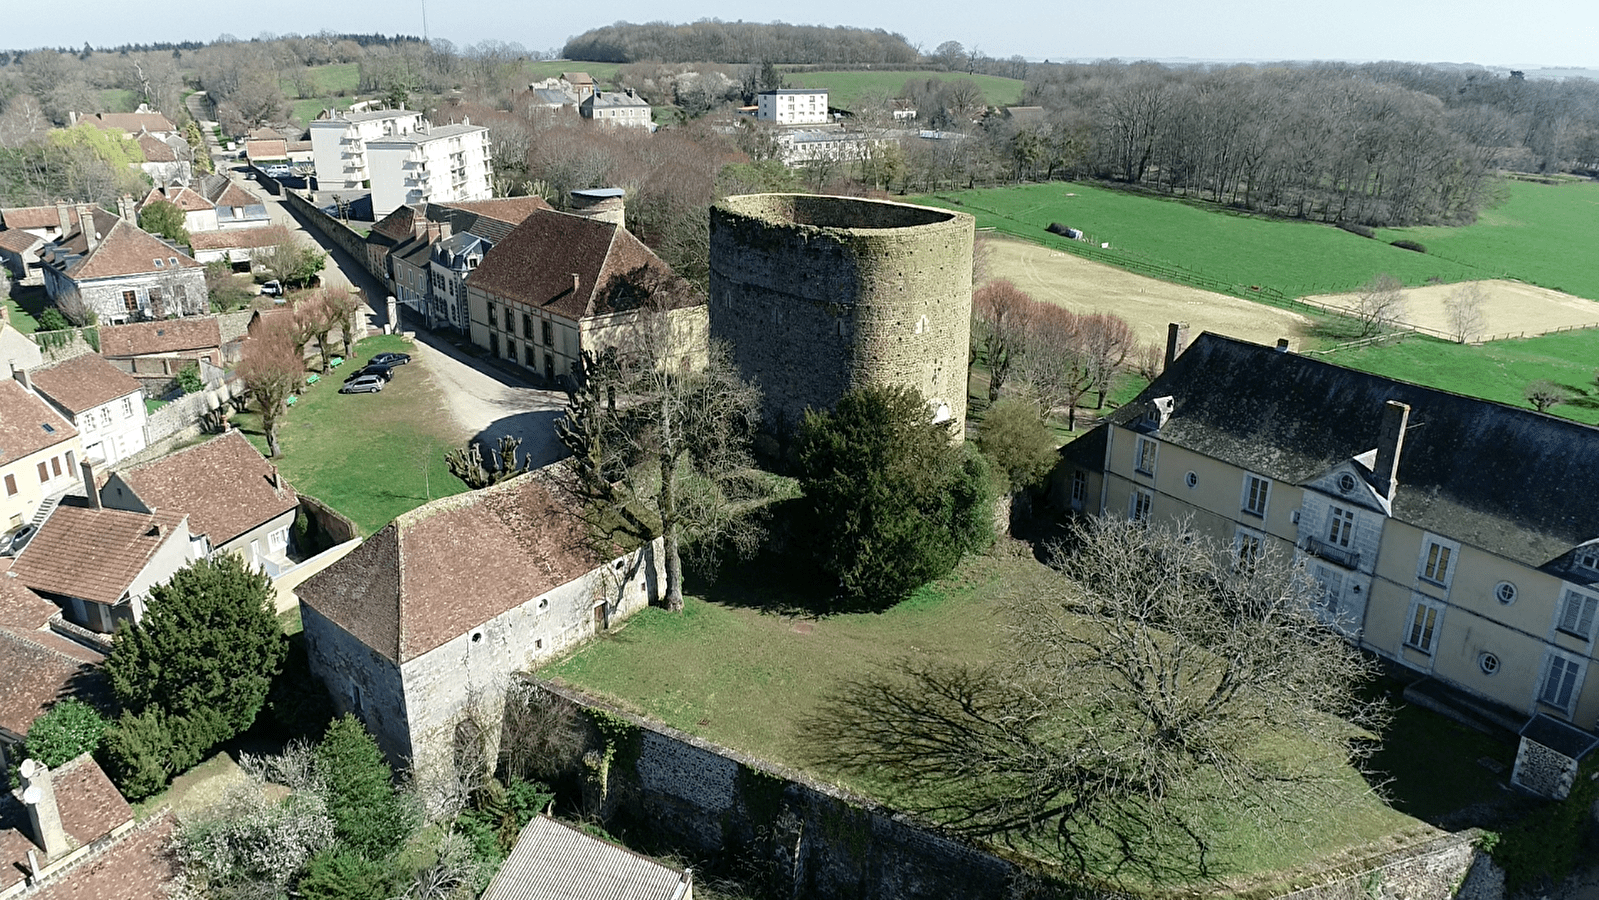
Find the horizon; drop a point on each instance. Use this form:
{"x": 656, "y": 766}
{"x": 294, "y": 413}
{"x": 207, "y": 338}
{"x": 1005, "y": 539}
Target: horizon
{"x": 1471, "y": 33}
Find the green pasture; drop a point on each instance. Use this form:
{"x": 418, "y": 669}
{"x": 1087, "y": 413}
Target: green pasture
{"x": 1543, "y": 234}
{"x": 844, "y": 89}
{"x": 118, "y": 100}
{"x": 603, "y": 73}
{"x": 1197, "y": 244}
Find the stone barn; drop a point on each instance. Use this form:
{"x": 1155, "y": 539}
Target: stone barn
{"x": 819, "y": 295}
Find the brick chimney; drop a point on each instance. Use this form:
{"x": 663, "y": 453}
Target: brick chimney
{"x": 1176, "y": 342}
{"x": 276, "y": 479}
{"x": 445, "y": 230}
{"x": 64, "y": 217}
{"x": 89, "y": 488}
{"x": 86, "y": 222}
{"x": 1390, "y": 442}
{"x": 40, "y": 798}
{"x": 419, "y": 225}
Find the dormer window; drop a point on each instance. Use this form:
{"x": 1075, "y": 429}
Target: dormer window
{"x": 1588, "y": 558}
{"x": 158, "y": 263}
{"x": 173, "y": 260}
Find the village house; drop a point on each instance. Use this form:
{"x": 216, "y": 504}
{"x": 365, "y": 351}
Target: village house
{"x": 581, "y": 84}
{"x": 39, "y": 454}
{"x": 98, "y": 565}
{"x": 238, "y": 247}
{"x": 19, "y": 255}
{"x": 623, "y": 109}
{"x": 48, "y": 222}
{"x": 562, "y": 283}
{"x": 235, "y": 206}
{"x": 104, "y": 403}
{"x": 166, "y": 160}
{"x": 339, "y": 139}
{"x": 130, "y": 125}
{"x": 235, "y": 499}
{"x": 1447, "y": 534}
{"x": 42, "y": 665}
{"x": 437, "y": 163}
{"x": 556, "y": 861}
{"x": 427, "y": 618}
{"x": 120, "y": 273}
{"x": 164, "y": 348}
{"x": 199, "y": 214}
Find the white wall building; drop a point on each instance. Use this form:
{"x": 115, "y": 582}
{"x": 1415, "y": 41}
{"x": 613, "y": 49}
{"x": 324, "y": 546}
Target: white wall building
{"x": 338, "y": 144}
{"x": 431, "y": 164}
{"x": 104, "y": 403}
{"x": 791, "y": 106}
{"x": 623, "y": 109}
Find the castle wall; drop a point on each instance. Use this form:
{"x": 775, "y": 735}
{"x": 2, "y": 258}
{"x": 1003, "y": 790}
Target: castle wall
{"x": 819, "y": 295}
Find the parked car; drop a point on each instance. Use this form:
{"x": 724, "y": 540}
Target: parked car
{"x": 389, "y": 359}
{"x": 273, "y": 288}
{"x": 279, "y": 171}
{"x": 366, "y": 384}
{"x": 383, "y": 372}
{"x": 14, "y": 541}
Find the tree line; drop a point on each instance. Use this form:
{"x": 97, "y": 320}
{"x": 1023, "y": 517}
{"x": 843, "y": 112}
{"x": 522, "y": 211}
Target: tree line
{"x": 713, "y": 40}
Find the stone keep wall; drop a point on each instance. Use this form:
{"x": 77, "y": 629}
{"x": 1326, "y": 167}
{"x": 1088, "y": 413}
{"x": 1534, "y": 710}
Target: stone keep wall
{"x": 361, "y": 681}
{"x": 819, "y": 295}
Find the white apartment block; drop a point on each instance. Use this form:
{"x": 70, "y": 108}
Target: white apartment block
{"x": 338, "y": 144}
{"x": 789, "y": 106}
{"x": 433, "y": 164}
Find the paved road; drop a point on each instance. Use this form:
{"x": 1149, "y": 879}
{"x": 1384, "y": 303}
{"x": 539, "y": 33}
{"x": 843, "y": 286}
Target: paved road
{"x": 484, "y": 400}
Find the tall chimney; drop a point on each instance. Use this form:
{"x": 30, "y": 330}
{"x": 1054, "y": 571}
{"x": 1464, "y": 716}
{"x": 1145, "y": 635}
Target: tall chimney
{"x": 89, "y": 488}
{"x": 277, "y": 480}
{"x": 445, "y": 230}
{"x": 21, "y": 375}
{"x": 125, "y": 209}
{"x": 577, "y": 282}
{"x": 86, "y": 221}
{"x": 1282, "y": 345}
{"x": 1176, "y": 341}
{"x": 64, "y": 216}
{"x": 40, "y": 798}
{"x": 1390, "y": 441}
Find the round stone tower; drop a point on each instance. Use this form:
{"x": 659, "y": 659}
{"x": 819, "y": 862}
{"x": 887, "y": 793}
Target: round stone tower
{"x": 818, "y": 295}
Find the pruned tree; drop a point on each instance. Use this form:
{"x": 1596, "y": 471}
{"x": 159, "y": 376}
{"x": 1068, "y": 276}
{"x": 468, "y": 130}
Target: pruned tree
{"x": 1379, "y": 302}
{"x": 314, "y": 321}
{"x": 342, "y": 303}
{"x": 272, "y": 367}
{"x": 1155, "y": 686}
{"x": 676, "y": 442}
{"x": 467, "y": 463}
{"x": 1002, "y": 314}
{"x": 1465, "y": 309}
{"x": 291, "y": 258}
{"x": 1543, "y": 394}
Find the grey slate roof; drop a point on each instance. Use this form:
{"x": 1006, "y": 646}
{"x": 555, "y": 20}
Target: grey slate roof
{"x": 553, "y": 861}
{"x": 1511, "y": 481}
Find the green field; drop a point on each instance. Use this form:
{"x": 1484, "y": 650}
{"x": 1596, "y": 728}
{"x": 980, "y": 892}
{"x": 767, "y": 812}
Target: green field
{"x": 845, "y": 88}
{"x": 603, "y": 73}
{"x": 1497, "y": 371}
{"x": 746, "y": 667}
{"x": 1542, "y": 234}
{"x": 304, "y": 111}
{"x": 369, "y": 456}
{"x": 1194, "y": 244}
{"x": 118, "y": 100}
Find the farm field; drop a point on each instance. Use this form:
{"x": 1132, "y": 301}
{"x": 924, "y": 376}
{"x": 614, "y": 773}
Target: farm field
{"x": 1510, "y": 308}
{"x": 1542, "y": 234}
{"x": 845, "y": 88}
{"x": 739, "y": 668}
{"x": 603, "y": 73}
{"x": 1147, "y": 304}
{"x": 1194, "y": 244}
{"x": 335, "y": 88}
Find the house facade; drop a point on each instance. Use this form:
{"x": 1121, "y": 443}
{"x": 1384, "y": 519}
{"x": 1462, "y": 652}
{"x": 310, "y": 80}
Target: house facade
{"x": 166, "y": 160}
{"x": 622, "y": 109}
{"x": 560, "y": 284}
{"x": 792, "y": 106}
{"x": 199, "y": 214}
{"x": 338, "y": 144}
{"x": 39, "y": 453}
{"x": 19, "y": 256}
{"x": 433, "y": 163}
{"x": 104, "y": 403}
{"x": 163, "y": 348}
{"x": 121, "y": 273}
{"x": 427, "y": 617}
{"x": 1447, "y": 534}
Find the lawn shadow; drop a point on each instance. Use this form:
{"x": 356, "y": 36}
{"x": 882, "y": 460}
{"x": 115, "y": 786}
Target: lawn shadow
{"x": 774, "y": 582}
{"x": 536, "y": 430}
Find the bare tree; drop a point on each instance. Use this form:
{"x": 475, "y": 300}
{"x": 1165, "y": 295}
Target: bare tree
{"x": 1379, "y": 302}
{"x": 1465, "y": 311}
{"x": 1107, "y": 340}
{"x": 1543, "y": 394}
{"x": 1001, "y": 314}
{"x": 1052, "y": 363}
{"x": 1138, "y": 696}
{"x": 272, "y": 367}
{"x": 342, "y": 304}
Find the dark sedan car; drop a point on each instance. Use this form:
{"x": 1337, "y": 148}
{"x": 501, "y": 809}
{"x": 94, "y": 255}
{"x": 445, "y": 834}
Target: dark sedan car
{"x": 383, "y": 372}
{"x": 390, "y": 359}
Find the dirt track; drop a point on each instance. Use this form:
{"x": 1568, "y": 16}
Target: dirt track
{"x": 1511, "y": 308}
{"x": 1147, "y": 304}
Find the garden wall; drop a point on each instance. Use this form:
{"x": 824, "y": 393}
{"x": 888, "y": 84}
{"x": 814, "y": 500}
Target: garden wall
{"x": 334, "y": 230}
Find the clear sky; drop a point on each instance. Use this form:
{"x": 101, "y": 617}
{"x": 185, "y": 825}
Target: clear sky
{"x": 1489, "y": 32}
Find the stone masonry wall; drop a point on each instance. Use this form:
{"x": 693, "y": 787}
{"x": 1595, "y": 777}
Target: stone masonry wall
{"x": 818, "y": 295}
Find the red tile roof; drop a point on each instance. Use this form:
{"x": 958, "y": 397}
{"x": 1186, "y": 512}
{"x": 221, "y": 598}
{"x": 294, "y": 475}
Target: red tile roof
{"x": 27, "y": 423}
{"x": 444, "y": 568}
{"x": 83, "y": 382}
{"x": 18, "y": 241}
{"x": 133, "y": 123}
{"x": 94, "y": 553}
{"x": 139, "y": 866}
{"x": 37, "y": 216}
{"x": 123, "y": 249}
{"x": 42, "y": 668}
{"x": 233, "y": 195}
{"x": 168, "y": 336}
{"x": 224, "y": 485}
{"x": 91, "y": 809}
{"x": 235, "y": 238}
{"x": 535, "y": 265}
{"x": 183, "y": 198}
{"x": 511, "y": 210}
{"x": 155, "y": 149}
{"x": 20, "y": 608}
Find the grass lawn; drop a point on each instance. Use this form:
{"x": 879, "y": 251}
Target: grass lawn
{"x": 845, "y": 88}
{"x": 303, "y": 111}
{"x": 603, "y": 73}
{"x": 732, "y": 670}
{"x": 1541, "y": 234}
{"x": 1196, "y": 244}
{"x": 26, "y": 304}
{"x": 1497, "y": 371}
{"x": 369, "y": 456}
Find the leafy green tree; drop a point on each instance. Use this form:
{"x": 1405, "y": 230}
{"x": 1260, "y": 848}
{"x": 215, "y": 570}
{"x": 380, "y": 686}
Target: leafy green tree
{"x": 369, "y": 817}
{"x": 206, "y": 650}
{"x": 136, "y": 753}
{"x": 893, "y": 502}
{"x": 70, "y": 728}
{"x": 1018, "y": 442}
{"x": 164, "y": 218}
{"x": 342, "y": 874}
{"x": 52, "y": 320}
{"x": 189, "y": 379}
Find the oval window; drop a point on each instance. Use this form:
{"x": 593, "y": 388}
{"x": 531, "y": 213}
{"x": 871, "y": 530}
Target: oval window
{"x": 1346, "y": 483}
{"x": 1191, "y": 479}
{"x": 1505, "y": 592}
{"x": 1489, "y": 663}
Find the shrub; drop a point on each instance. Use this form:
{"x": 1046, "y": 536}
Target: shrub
{"x": 1018, "y": 442}
{"x": 1544, "y": 847}
{"x": 368, "y": 815}
{"x": 1357, "y": 228}
{"x": 1409, "y": 245}
{"x": 70, "y": 728}
{"x": 52, "y": 320}
{"x": 135, "y": 753}
{"x": 342, "y": 874}
{"x": 189, "y": 379}
{"x": 250, "y": 844}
